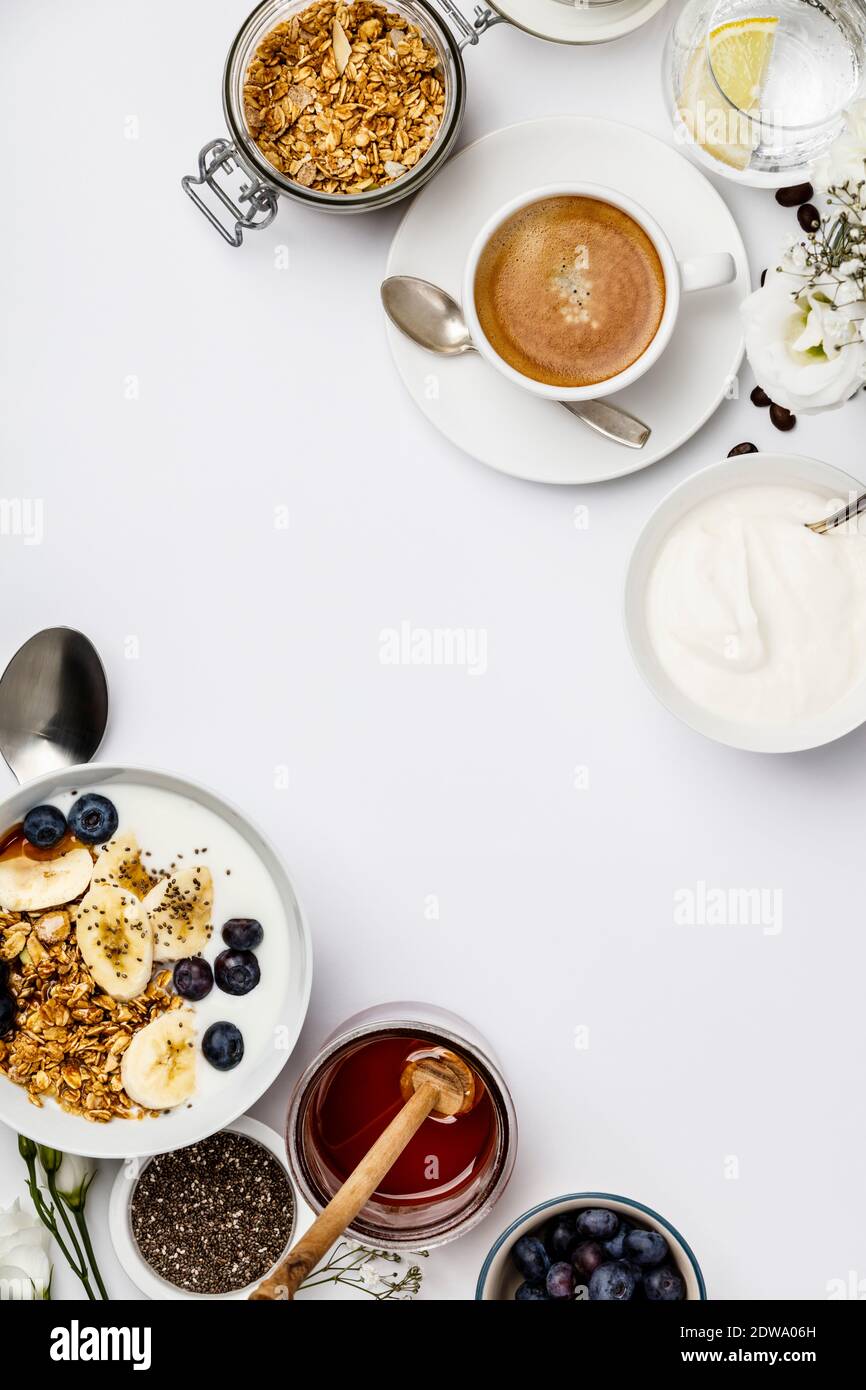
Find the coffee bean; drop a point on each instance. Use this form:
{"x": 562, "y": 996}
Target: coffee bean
{"x": 763, "y": 278}
{"x": 739, "y": 449}
{"x": 782, "y": 418}
{"x": 809, "y": 217}
{"x": 760, "y": 398}
{"x": 793, "y": 197}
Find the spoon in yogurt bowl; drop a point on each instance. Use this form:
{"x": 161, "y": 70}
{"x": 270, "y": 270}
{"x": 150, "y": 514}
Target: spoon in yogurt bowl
{"x": 434, "y": 320}
{"x": 53, "y": 703}
{"x": 828, "y": 523}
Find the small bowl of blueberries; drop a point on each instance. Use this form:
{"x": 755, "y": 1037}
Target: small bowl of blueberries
{"x": 590, "y": 1247}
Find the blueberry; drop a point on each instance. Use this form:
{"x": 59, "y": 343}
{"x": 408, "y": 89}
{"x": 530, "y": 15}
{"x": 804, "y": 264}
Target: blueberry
{"x": 193, "y": 977}
{"x": 530, "y": 1292}
{"x": 236, "y": 972}
{"x": 598, "y": 1223}
{"x": 586, "y": 1256}
{"x": 531, "y": 1258}
{"x": 223, "y": 1045}
{"x": 8, "y": 1010}
{"x": 646, "y": 1248}
{"x": 243, "y": 933}
{"x": 614, "y": 1247}
{"x": 559, "y": 1237}
{"x": 664, "y": 1285}
{"x": 560, "y": 1280}
{"x": 611, "y": 1283}
{"x": 93, "y": 819}
{"x": 44, "y": 827}
{"x": 636, "y": 1270}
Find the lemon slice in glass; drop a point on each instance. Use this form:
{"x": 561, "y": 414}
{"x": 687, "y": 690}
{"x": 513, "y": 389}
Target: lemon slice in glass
{"x": 723, "y": 87}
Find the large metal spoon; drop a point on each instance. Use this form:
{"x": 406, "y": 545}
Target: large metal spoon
{"x": 53, "y": 703}
{"x": 433, "y": 320}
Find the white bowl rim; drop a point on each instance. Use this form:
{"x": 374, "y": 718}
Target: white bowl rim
{"x": 47, "y": 1123}
{"x": 584, "y": 1197}
{"x": 814, "y": 733}
{"x": 133, "y": 1263}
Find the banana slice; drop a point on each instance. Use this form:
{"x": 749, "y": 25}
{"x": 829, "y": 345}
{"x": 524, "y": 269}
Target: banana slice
{"x": 158, "y": 1067}
{"x": 180, "y": 910}
{"x": 115, "y": 938}
{"x": 32, "y": 885}
{"x": 120, "y": 863}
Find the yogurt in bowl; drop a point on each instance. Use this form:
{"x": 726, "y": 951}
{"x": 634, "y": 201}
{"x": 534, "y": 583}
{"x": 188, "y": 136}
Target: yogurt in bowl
{"x": 746, "y": 624}
{"x": 129, "y": 1056}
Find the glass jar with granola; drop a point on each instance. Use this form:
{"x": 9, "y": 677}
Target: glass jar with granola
{"x": 344, "y": 105}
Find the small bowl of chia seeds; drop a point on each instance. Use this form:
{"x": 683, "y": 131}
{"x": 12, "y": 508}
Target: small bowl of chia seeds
{"x": 207, "y": 1221}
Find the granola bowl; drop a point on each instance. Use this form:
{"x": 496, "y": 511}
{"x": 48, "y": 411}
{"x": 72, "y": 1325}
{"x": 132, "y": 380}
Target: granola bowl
{"x": 155, "y": 964}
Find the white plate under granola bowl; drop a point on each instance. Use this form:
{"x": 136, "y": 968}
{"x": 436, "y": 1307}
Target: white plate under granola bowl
{"x": 742, "y": 471}
{"x": 172, "y": 817}
{"x": 499, "y": 1279}
{"x": 143, "y": 1276}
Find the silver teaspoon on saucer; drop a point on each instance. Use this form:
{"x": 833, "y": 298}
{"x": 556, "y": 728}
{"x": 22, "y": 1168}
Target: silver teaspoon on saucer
{"x": 53, "y": 703}
{"x": 839, "y": 518}
{"x": 432, "y": 319}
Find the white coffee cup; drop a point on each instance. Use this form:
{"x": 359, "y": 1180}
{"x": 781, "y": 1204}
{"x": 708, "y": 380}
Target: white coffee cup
{"x": 681, "y": 277}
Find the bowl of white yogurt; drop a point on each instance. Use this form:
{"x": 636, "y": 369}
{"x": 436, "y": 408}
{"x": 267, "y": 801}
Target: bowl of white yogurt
{"x": 180, "y": 865}
{"x": 744, "y": 623}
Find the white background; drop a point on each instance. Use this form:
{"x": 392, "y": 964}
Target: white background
{"x": 259, "y": 650}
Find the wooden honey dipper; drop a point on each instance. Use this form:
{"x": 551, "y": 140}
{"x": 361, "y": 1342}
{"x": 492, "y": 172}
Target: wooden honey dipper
{"x": 437, "y": 1081}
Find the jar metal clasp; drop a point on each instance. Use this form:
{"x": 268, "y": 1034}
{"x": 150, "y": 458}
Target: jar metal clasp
{"x": 470, "y": 30}
{"x": 252, "y": 207}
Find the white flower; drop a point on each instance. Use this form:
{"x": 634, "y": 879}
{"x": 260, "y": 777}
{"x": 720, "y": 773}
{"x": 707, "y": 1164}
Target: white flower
{"x": 845, "y": 164}
{"x": 371, "y": 1278}
{"x": 73, "y": 1178}
{"x": 807, "y": 354}
{"x": 796, "y": 257}
{"x": 25, "y": 1270}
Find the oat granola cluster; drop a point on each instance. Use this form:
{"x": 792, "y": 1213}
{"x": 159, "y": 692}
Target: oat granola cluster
{"x": 69, "y": 1036}
{"x": 344, "y": 98}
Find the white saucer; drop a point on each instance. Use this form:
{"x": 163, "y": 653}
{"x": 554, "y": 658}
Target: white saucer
{"x": 499, "y": 423}
{"x": 575, "y": 23}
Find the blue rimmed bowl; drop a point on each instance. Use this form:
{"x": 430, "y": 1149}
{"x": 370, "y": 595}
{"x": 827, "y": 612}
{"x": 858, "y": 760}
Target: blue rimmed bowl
{"x": 499, "y": 1280}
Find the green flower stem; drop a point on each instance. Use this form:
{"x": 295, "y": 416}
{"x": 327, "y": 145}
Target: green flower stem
{"x": 48, "y": 1219}
{"x": 70, "y": 1229}
{"x": 88, "y": 1246}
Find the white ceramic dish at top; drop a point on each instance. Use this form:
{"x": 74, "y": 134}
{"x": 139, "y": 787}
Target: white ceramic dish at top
{"x": 746, "y": 470}
{"x": 578, "y": 23}
{"x": 501, "y": 423}
{"x": 120, "y": 1229}
{"x": 169, "y": 815}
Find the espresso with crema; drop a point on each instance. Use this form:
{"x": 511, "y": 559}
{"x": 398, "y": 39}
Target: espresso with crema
{"x": 570, "y": 291}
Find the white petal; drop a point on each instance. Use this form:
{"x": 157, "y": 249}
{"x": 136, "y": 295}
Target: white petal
{"x": 35, "y": 1264}
{"x": 15, "y": 1284}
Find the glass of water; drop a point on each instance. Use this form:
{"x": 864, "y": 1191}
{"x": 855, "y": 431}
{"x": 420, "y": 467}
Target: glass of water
{"x": 759, "y": 91}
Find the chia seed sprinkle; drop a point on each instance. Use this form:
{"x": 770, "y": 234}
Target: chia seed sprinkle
{"x": 214, "y": 1217}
